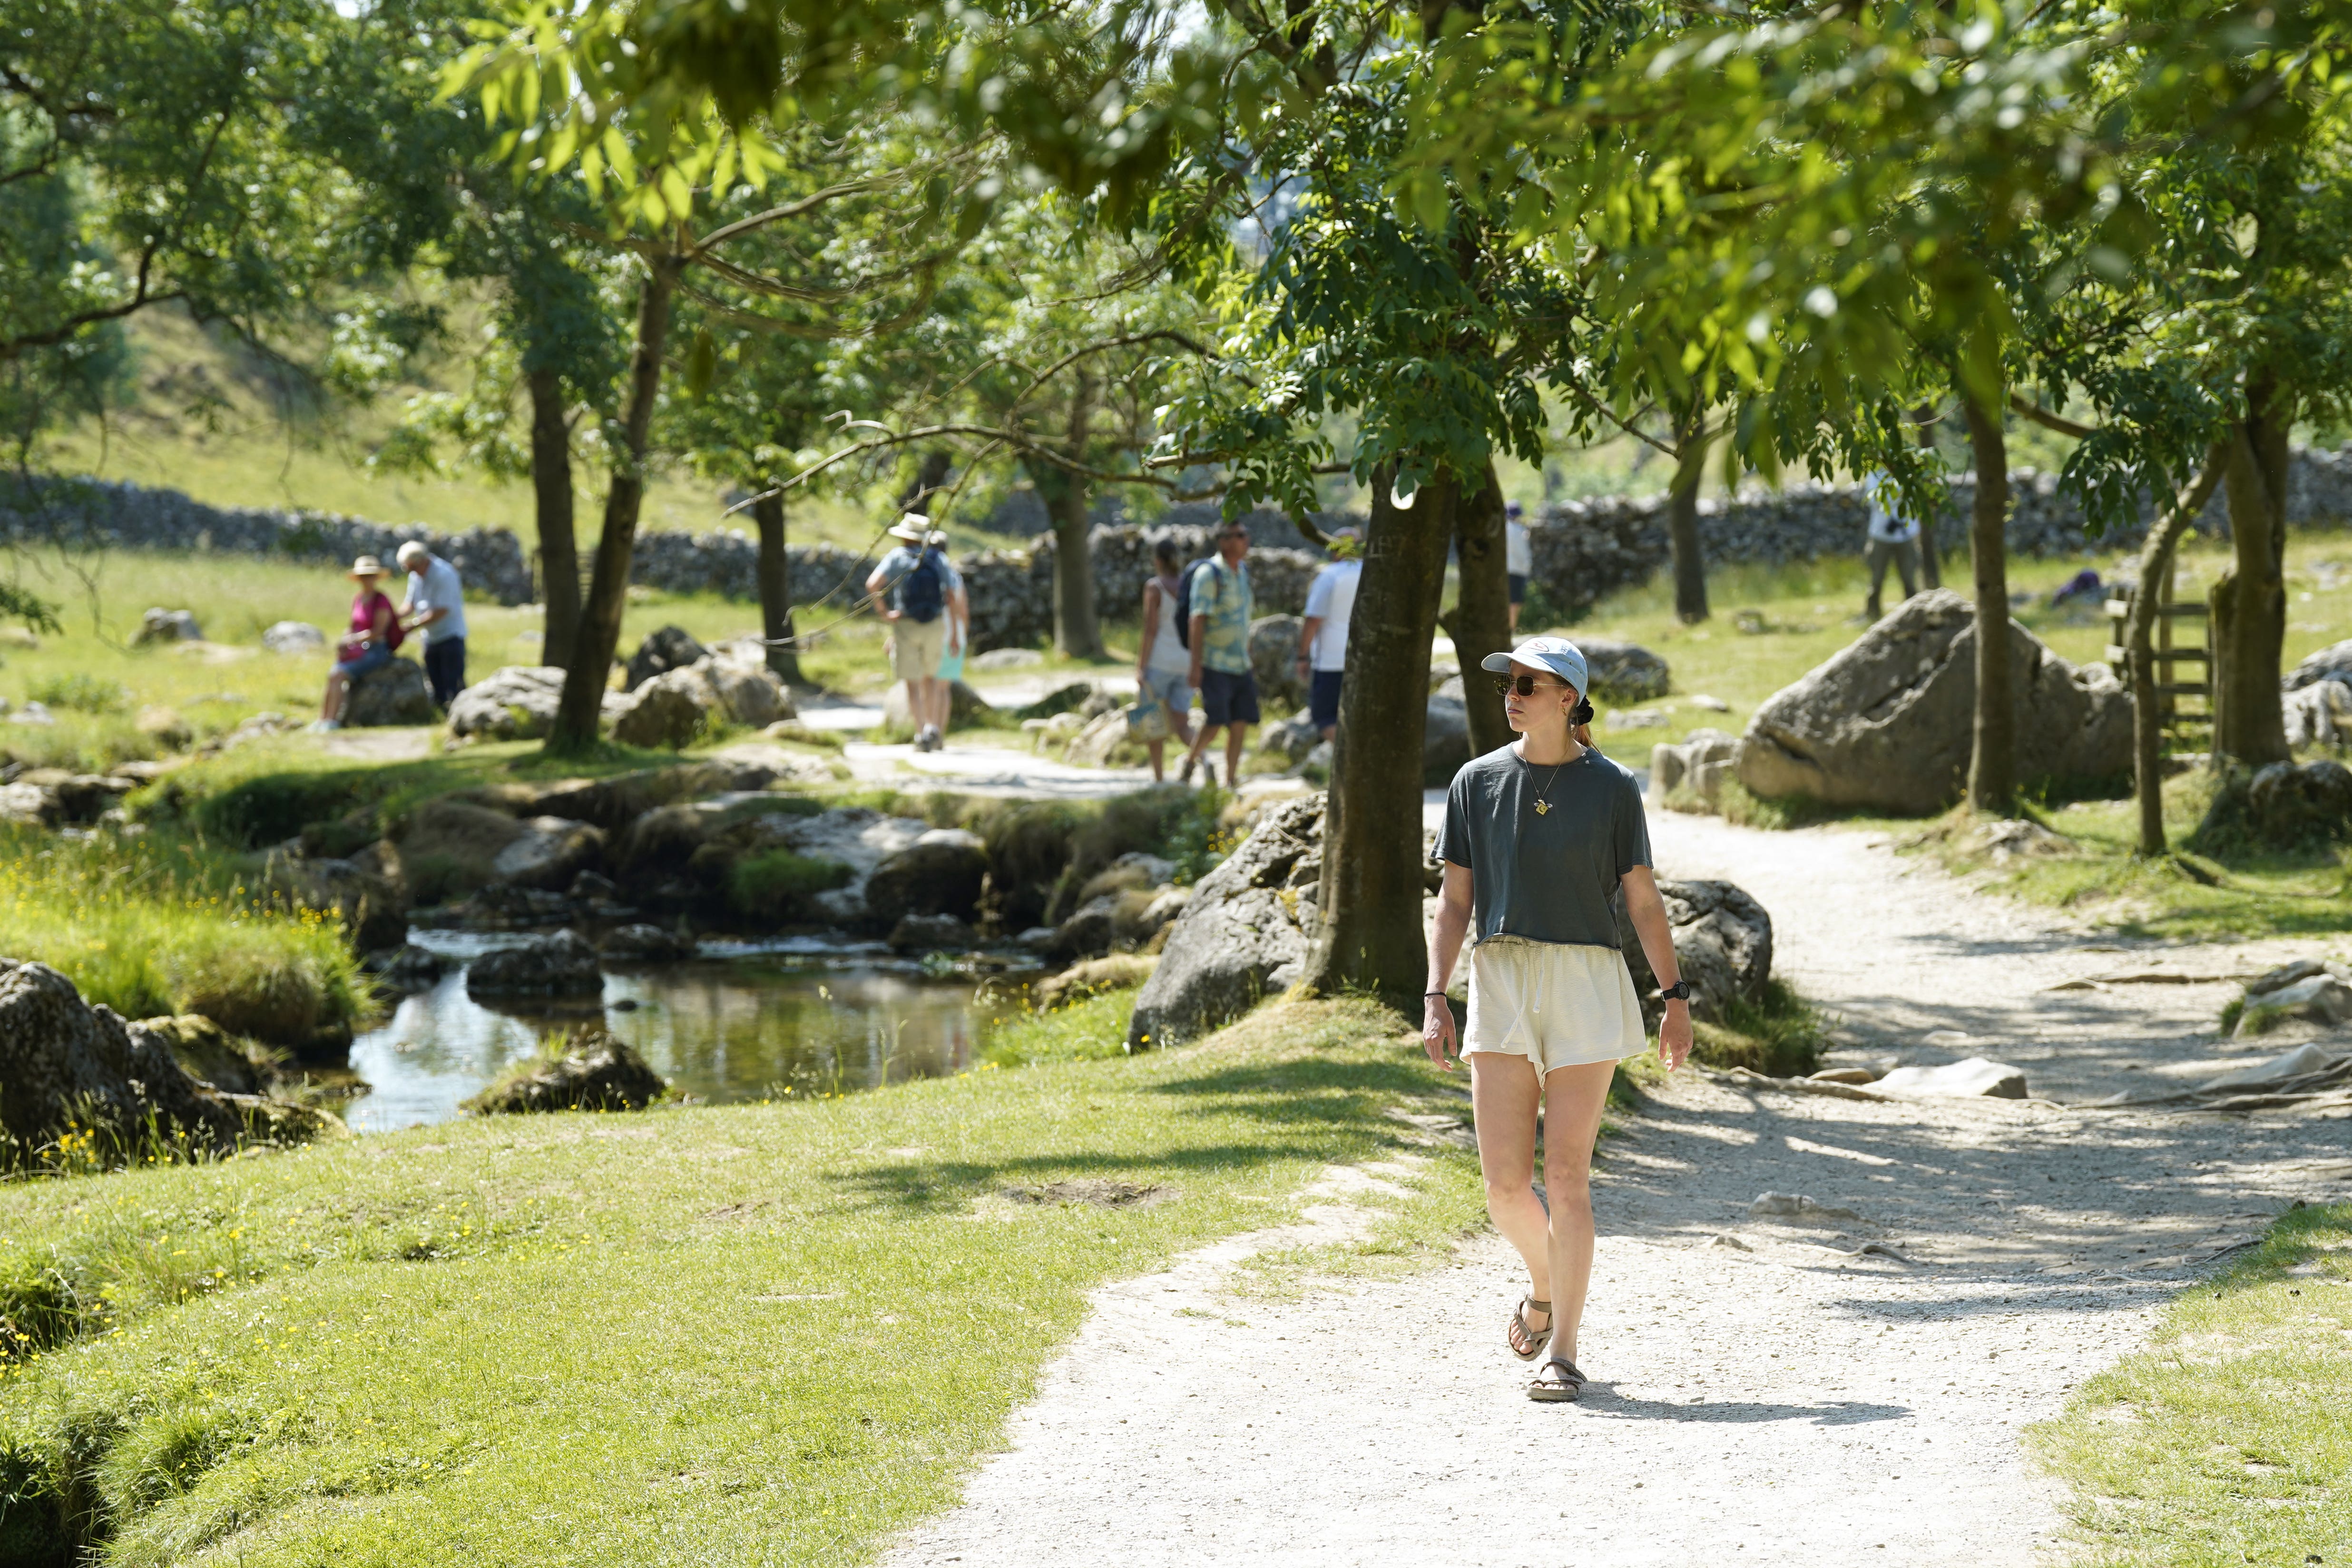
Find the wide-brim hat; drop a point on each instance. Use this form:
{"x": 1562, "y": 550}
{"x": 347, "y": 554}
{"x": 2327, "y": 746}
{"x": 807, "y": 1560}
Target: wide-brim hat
{"x": 1557, "y": 655}
{"x": 367, "y": 566}
{"x": 914, "y": 528}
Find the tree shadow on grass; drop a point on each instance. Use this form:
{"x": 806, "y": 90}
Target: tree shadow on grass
{"x": 1307, "y": 1090}
{"x": 917, "y": 1188}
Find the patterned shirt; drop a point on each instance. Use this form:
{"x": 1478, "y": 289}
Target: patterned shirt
{"x": 1222, "y": 593}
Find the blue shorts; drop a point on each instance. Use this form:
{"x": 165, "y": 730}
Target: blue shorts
{"x": 374, "y": 656}
{"x": 1323, "y": 697}
{"x": 1519, "y": 586}
{"x": 1174, "y": 692}
{"x": 1228, "y": 699}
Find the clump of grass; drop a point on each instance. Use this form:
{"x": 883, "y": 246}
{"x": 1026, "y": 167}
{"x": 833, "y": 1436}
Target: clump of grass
{"x": 78, "y": 691}
{"x": 1779, "y": 1034}
{"x": 778, "y": 883}
{"x": 1093, "y": 1028}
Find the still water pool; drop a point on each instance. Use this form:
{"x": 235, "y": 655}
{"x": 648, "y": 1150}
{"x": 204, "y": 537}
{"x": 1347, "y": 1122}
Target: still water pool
{"x": 745, "y": 1021}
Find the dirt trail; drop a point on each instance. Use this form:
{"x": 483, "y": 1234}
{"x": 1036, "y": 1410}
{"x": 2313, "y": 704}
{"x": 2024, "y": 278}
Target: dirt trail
{"x": 1765, "y": 1392}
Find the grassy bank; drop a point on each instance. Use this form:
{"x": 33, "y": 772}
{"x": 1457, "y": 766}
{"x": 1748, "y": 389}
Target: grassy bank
{"x": 760, "y": 1333}
{"x": 2228, "y": 1438}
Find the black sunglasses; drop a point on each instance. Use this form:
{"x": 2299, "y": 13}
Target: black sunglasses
{"x": 1524, "y": 685}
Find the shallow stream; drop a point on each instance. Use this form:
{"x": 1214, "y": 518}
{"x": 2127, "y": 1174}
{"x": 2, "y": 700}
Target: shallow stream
{"x": 743, "y": 1022}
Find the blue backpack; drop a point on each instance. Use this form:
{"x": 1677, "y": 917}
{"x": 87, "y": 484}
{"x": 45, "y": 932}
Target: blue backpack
{"x": 923, "y": 592}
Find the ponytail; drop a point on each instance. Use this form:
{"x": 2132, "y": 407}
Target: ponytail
{"x": 1579, "y": 722}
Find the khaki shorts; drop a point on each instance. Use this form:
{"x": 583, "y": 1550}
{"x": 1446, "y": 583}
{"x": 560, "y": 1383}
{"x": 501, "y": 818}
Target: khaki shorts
{"x": 1556, "y": 1003}
{"x": 917, "y": 647}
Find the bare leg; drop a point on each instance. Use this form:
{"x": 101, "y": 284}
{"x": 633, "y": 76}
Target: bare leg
{"x": 1503, "y": 1095}
{"x": 331, "y": 708}
{"x": 1159, "y": 769}
{"x": 1234, "y": 735}
{"x": 1573, "y": 1100}
{"x": 1200, "y": 742}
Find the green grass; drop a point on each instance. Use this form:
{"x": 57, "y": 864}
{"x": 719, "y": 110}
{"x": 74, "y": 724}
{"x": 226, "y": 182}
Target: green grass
{"x": 777, "y": 883}
{"x": 153, "y": 925}
{"x": 1091, "y": 1029}
{"x": 757, "y": 1333}
{"x": 2228, "y": 1439}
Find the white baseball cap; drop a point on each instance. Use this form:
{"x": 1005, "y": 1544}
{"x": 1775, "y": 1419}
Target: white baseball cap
{"x": 1557, "y": 655}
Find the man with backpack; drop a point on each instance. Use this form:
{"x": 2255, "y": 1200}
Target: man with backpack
{"x": 1213, "y": 606}
{"x": 910, "y": 593}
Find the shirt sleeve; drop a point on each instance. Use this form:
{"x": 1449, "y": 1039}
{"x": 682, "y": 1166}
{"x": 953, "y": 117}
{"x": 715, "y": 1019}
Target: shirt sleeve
{"x": 1632, "y": 828}
{"x": 1318, "y": 592}
{"x": 1454, "y": 837}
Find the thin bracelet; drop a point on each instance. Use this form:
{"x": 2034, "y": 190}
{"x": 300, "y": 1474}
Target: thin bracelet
{"x": 1427, "y": 994}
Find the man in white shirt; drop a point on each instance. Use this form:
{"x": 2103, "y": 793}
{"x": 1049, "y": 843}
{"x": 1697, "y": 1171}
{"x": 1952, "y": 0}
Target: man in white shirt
{"x": 1892, "y": 536}
{"x": 435, "y": 605}
{"x": 1518, "y": 557}
{"x": 1323, "y": 639}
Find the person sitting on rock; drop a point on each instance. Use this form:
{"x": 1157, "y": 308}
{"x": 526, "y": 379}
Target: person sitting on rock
{"x": 1893, "y": 536}
{"x": 367, "y": 648}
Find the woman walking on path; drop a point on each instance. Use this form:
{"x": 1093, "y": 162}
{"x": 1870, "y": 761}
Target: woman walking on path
{"x": 1164, "y": 666}
{"x": 1539, "y": 835}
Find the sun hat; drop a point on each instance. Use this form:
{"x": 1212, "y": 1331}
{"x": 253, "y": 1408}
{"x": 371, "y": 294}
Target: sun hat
{"x": 1557, "y": 655}
{"x": 914, "y": 528}
{"x": 367, "y": 566}
{"x": 937, "y": 539}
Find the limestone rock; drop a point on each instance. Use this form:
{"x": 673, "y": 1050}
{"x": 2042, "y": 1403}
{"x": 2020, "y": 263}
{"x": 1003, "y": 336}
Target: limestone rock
{"x": 72, "y": 1066}
{"x": 748, "y": 691}
{"x": 2319, "y": 714}
{"x": 563, "y": 964}
{"x": 1696, "y": 766}
{"x": 395, "y": 694}
{"x": 1974, "y": 1079}
{"x": 515, "y": 702}
{"x": 1622, "y": 672}
{"x": 932, "y": 933}
{"x": 2330, "y": 663}
{"x": 2304, "y": 1061}
{"x": 665, "y": 648}
{"x": 612, "y": 802}
{"x": 210, "y": 1054}
{"x": 591, "y": 1071}
{"x": 2319, "y": 998}
{"x": 939, "y": 874}
{"x": 294, "y": 636}
{"x": 548, "y": 852}
{"x": 643, "y": 943}
{"x": 159, "y": 625}
{"x": 1092, "y": 978}
{"x": 1104, "y": 743}
{"x": 1089, "y": 931}
{"x": 2288, "y": 803}
{"x": 1886, "y": 723}
{"x": 1723, "y": 941}
{"x": 666, "y": 709}
{"x": 1797, "y": 1208}
{"x": 1240, "y": 935}
{"x": 409, "y": 967}
{"x": 964, "y": 704}
{"x": 1293, "y": 737}
{"x": 1273, "y": 659}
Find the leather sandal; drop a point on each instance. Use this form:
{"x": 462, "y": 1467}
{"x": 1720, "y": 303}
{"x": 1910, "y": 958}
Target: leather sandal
{"x": 1561, "y": 1389}
{"x": 1527, "y": 1343}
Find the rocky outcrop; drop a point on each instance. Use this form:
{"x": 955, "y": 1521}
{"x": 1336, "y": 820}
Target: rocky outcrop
{"x": 641, "y": 943}
{"x": 2284, "y": 806}
{"x": 590, "y": 1071}
{"x": 1694, "y": 768}
{"x": 159, "y": 625}
{"x": 731, "y": 684}
{"x": 395, "y": 694}
{"x": 1886, "y": 723}
{"x": 515, "y": 702}
{"x": 71, "y": 1068}
{"x": 563, "y": 964}
{"x": 211, "y": 1055}
{"x": 941, "y": 873}
{"x": 1723, "y": 944}
{"x": 548, "y": 852}
{"x": 664, "y": 649}
{"x": 1244, "y": 934}
{"x": 1622, "y": 671}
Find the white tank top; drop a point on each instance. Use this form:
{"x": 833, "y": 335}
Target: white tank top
{"x": 1169, "y": 655}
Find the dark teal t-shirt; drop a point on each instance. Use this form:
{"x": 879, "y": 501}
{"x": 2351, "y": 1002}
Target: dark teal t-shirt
{"x": 1549, "y": 876}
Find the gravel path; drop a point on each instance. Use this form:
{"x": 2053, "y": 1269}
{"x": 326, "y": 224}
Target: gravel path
{"x": 1765, "y": 1392}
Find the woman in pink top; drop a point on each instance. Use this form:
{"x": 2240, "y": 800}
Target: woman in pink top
{"x": 367, "y": 648}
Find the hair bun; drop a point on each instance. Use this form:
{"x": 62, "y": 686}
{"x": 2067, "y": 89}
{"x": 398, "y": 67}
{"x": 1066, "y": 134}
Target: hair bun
{"x": 1582, "y": 712}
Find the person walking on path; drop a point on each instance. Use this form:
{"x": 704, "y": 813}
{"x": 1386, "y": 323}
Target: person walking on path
{"x": 1323, "y": 636}
{"x": 435, "y": 605}
{"x": 1892, "y": 536}
{"x": 1222, "y": 604}
{"x": 1538, "y": 834}
{"x": 910, "y": 593}
{"x": 1518, "y": 557}
{"x": 367, "y": 648}
{"x": 958, "y": 634}
{"x": 1163, "y": 666}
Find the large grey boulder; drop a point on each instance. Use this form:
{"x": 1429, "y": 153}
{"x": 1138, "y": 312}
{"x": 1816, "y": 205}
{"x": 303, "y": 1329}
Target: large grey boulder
{"x": 667, "y": 711}
{"x": 159, "y": 625}
{"x": 563, "y": 964}
{"x": 1723, "y": 943}
{"x": 69, "y": 1067}
{"x": 2331, "y": 663}
{"x": 1244, "y": 934}
{"x": 665, "y": 648}
{"x": 294, "y": 636}
{"x": 1622, "y": 672}
{"x": 1273, "y": 659}
{"x": 2319, "y": 714}
{"x": 394, "y": 694}
{"x": 515, "y": 702}
{"x": 2285, "y": 805}
{"x": 549, "y": 853}
{"x": 939, "y": 873}
{"x": 1886, "y": 723}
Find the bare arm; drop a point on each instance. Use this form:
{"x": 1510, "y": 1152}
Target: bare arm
{"x": 1445, "y": 935}
{"x": 959, "y": 620}
{"x": 1150, "y": 626}
{"x": 1308, "y": 630}
{"x": 1199, "y": 636}
{"x": 1648, "y": 912}
{"x": 875, "y": 582}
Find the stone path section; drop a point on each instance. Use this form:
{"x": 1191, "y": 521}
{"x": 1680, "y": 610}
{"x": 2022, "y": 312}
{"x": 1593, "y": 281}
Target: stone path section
{"x": 1764, "y": 1391}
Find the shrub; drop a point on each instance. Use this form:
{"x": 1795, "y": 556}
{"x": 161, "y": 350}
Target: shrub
{"x": 777, "y": 884}
{"x": 79, "y": 692}
{"x": 270, "y": 807}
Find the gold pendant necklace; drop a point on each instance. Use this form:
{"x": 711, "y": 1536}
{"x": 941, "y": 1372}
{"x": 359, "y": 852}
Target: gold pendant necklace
{"x": 1543, "y": 806}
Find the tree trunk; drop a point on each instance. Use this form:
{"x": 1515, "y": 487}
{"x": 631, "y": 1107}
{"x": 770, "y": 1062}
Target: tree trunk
{"x": 1931, "y": 570}
{"x": 1682, "y": 519}
{"x": 776, "y": 588}
{"x": 590, "y": 671}
{"x": 2249, "y": 721}
{"x": 1077, "y": 634}
{"x": 551, "y": 484}
{"x": 1992, "y": 764}
{"x": 1482, "y": 614}
{"x": 931, "y": 477}
{"x": 2139, "y": 641}
{"x": 1370, "y": 934}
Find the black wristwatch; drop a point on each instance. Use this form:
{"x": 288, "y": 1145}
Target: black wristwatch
{"x": 1678, "y": 992}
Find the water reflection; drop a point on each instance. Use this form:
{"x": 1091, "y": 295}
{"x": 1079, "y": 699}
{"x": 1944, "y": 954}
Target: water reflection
{"x": 745, "y": 1021}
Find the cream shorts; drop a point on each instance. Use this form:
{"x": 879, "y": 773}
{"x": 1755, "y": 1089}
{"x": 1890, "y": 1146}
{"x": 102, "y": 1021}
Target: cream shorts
{"x": 917, "y": 647}
{"x": 1556, "y": 1003}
